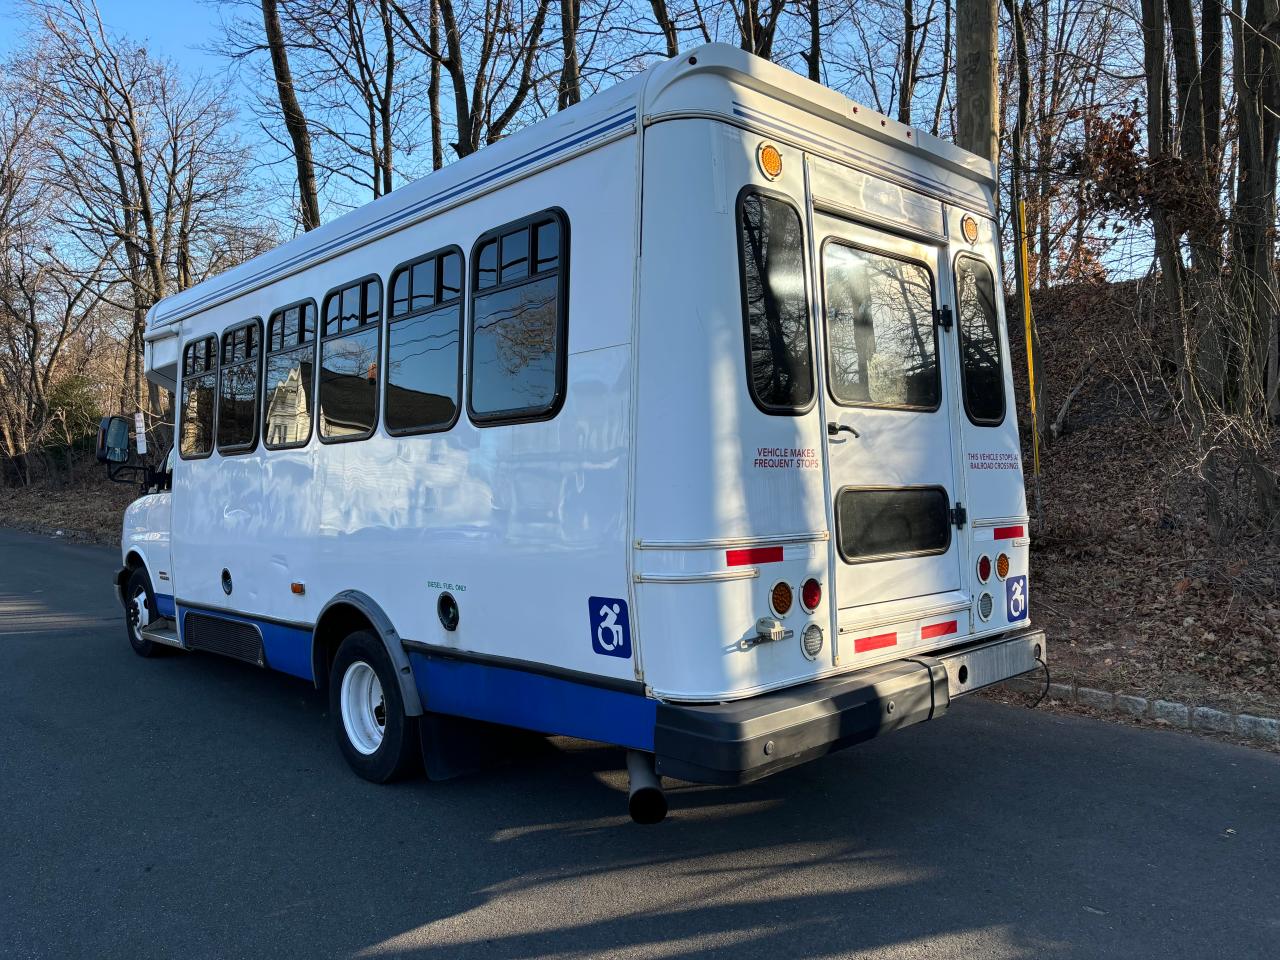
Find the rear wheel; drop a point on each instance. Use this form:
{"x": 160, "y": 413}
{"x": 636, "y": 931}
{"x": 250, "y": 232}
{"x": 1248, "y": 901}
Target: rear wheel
{"x": 374, "y": 734}
{"x": 139, "y": 611}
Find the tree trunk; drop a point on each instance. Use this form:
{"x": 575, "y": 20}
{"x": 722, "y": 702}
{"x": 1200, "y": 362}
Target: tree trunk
{"x": 977, "y": 111}
{"x": 433, "y": 91}
{"x": 663, "y": 18}
{"x": 570, "y": 78}
{"x": 295, "y": 121}
{"x": 906, "y": 89}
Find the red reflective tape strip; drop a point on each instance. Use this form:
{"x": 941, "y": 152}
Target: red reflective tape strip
{"x": 1009, "y": 533}
{"x": 938, "y": 630}
{"x": 740, "y": 558}
{"x": 878, "y": 642}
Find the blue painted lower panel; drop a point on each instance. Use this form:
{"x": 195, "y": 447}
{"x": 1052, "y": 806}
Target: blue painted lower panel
{"x": 535, "y": 702}
{"x": 287, "y": 649}
{"x": 164, "y": 604}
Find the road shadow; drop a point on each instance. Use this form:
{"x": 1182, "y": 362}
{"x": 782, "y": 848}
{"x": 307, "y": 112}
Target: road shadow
{"x": 198, "y": 807}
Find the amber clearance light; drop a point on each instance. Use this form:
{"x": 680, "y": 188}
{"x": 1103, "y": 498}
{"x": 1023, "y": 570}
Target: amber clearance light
{"x": 770, "y": 160}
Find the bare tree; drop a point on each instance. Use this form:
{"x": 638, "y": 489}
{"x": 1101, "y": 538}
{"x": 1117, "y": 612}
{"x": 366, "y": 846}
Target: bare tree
{"x": 490, "y": 54}
{"x": 295, "y": 121}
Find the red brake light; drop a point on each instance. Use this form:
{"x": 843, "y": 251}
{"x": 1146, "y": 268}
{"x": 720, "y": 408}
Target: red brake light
{"x": 984, "y": 569}
{"x": 811, "y": 594}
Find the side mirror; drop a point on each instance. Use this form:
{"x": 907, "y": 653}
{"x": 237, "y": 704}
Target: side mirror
{"x": 113, "y": 440}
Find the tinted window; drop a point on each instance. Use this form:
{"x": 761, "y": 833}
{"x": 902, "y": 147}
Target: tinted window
{"x": 349, "y": 385}
{"x": 422, "y": 370}
{"x": 238, "y": 389}
{"x": 780, "y": 370}
{"x": 199, "y": 396}
{"x": 290, "y": 376}
{"x": 517, "y": 325}
{"x": 196, "y": 433}
{"x": 348, "y": 400}
{"x": 881, "y": 344}
{"x": 874, "y": 524}
{"x": 424, "y": 347}
{"x": 979, "y": 327}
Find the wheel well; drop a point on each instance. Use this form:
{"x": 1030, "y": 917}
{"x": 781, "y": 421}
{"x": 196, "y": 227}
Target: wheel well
{"x": 336, "y": 624}
{"x": 133, "y": 561}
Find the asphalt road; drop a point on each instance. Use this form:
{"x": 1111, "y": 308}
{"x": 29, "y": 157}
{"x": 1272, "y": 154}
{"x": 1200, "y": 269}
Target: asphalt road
{"x": 190, "y": 806}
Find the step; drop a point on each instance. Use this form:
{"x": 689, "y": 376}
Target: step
{"x": 162, "y": 631}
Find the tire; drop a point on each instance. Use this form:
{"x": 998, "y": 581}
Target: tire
{"x": 138, "y": 592}
{"x": 377, "y": 739}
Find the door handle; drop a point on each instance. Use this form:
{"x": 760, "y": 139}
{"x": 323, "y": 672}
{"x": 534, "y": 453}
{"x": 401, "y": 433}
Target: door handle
{"x": 835, "y": 429}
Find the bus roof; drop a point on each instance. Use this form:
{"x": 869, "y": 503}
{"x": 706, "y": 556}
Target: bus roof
{"x": 716, "y": 81}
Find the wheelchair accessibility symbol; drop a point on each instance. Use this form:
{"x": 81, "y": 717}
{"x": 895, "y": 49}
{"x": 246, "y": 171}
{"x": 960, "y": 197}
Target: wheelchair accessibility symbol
{"x": 610, "y": 629}
{"x": 1015, "y": 589}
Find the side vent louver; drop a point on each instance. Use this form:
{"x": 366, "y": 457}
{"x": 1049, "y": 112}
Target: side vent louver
{"x": 227, "y": 637}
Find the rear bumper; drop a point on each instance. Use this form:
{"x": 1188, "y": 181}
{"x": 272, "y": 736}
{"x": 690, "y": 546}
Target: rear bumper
{"x": 747, "y": 739}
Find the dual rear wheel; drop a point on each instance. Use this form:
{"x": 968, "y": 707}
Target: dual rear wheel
{"x": 378, "y": 740}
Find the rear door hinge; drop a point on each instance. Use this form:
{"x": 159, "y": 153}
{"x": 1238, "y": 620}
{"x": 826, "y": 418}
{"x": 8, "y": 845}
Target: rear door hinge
{"x": 942, "y": 316}
{"x": 959, "y": 515}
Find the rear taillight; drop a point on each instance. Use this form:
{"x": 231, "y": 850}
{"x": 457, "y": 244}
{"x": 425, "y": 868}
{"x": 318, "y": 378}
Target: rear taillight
{"x": 811, "y": 594}
{"x": 984, "y": 569}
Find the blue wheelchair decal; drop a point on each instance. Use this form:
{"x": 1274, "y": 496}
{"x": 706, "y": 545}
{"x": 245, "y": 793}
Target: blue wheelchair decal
{"x": 610, "y": 628}
{"x": 1015, "y": 589}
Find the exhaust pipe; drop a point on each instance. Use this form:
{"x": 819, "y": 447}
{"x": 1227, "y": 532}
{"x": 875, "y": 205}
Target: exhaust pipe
{"x": 646, "y": 803}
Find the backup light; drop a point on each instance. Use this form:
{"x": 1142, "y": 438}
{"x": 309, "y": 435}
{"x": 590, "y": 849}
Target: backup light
{"x": 811, "y": 595}
{"x": 985, "y": 605}
{"x": 811, "y": 641}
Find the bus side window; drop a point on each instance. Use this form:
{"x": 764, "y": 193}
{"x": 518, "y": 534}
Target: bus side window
{"x": 519, "y": 321}
{"x": 424, "y": 344}
{"x": 775, "y": 304}
{"x": 290, "y": 376}
{"x": 348, "y": 400}
{"x": 981, "y": 369}
{"x": 238, "y": 388}
{"x": 199, "y": 391}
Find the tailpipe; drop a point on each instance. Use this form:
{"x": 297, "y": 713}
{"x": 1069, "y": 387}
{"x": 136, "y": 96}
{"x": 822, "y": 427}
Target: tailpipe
{"x": 647, "y": 803}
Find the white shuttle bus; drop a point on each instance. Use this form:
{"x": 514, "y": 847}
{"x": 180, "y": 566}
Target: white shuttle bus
{"x": 682, "y": 420}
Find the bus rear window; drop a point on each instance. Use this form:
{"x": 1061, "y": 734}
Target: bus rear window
{"x": 775, "y": 304}
{"x": 980, "y": 365}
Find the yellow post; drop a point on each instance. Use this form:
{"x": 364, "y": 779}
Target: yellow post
{"x": 1026, "y": 323}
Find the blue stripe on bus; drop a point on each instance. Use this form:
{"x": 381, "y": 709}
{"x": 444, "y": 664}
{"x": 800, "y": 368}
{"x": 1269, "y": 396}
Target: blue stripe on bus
{"x": 533, "y": 701}
{"x": 287, "y": 649}
{"x": 164, "y": 604}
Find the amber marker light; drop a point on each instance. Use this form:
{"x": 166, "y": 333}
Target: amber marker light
{"x": 298, "y": 588}
{"x": 1002, "y": 566}
{"x": 781, "y": 598}
{"x": 770, "y": 160}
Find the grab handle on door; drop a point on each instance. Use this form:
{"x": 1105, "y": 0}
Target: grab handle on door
{"x": 835, "y": 429}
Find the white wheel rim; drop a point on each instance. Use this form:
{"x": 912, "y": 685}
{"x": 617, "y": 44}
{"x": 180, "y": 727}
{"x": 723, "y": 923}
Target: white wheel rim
{"x": 141, "y": 613}
{"x": 364, "y": 711}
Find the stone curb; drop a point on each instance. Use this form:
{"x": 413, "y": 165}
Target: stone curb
{"x": 1265, "y": 730}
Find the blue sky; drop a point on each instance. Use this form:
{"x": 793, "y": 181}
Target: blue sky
{"x": 172, "y": 28}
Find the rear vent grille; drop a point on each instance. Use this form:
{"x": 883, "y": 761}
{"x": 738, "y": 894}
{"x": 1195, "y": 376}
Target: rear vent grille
{"x": 227, "y": 637}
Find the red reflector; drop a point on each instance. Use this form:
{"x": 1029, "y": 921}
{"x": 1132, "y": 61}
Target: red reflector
{"x": 878, "y": 642}
{"x": 740, "y": 558}
{"x": 1009, "y": 533}
{"x": 938, "y": 630}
